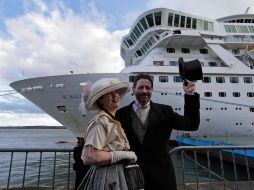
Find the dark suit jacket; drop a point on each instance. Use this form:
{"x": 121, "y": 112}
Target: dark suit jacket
{"x": 153, "y": 154}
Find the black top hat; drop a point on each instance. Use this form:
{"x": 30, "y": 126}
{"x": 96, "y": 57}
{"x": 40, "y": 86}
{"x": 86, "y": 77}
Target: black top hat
{"x": 190, "y": 70}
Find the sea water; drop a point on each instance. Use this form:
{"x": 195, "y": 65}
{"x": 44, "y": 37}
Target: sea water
{"x": 35, "y": 138}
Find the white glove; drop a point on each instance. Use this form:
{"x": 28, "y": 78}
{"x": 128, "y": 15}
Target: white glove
{"x": 123, "y": 155}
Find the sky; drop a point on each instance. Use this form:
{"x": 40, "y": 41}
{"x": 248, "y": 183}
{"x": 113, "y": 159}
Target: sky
{"x": 54, "y": 37}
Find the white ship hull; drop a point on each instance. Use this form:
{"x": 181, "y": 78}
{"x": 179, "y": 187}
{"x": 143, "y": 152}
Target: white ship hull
{"x": 230, "y": 116}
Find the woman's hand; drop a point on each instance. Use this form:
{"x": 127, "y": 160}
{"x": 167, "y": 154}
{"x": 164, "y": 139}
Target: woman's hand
{"x": 123, "y": 155}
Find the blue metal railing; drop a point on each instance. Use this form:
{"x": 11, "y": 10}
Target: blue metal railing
{"x": 227, "y": 167}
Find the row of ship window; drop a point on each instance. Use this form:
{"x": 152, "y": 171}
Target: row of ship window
{"x": 183, "y": 21}
{"x": 202, "y": 50}
{"x": 224, "y": 94}
{"x": 247, "y": 20}
{"x": 223, "y": 108}
{"x": 221, "y": 94}
{"x": 176, "y": 20}
{"x": 205, "y": 79}
{"x": 239, "y": 29}
{"x": 186, "y": 50}
{"x": 150, "y": 20}
{"x": 175, "y": 63}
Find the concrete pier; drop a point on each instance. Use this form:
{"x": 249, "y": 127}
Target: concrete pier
{"x": 237, "y": 185}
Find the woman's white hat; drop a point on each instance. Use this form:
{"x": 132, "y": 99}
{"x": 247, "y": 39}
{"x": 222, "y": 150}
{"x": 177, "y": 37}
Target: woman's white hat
{"x": 100, "y": 88}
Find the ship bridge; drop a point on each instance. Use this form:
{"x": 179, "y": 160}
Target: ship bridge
{"x": 154, "y": 25}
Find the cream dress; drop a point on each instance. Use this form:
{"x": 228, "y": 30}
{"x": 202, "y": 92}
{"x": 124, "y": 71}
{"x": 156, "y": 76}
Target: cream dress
{"x": 105, "y": 133}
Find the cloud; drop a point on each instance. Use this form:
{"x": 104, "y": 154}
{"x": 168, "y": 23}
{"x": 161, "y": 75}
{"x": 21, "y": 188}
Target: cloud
{"x": 53, "y": 40}
{"x": 18, "y": 104}
{"x": 52, "y": 44}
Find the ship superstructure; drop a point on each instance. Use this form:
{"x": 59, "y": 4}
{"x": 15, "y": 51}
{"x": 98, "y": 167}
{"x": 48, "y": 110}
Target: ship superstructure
{"x": 154, "y": 44}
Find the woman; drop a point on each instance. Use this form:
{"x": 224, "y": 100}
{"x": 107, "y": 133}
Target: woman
{"x": 105, "y": 141}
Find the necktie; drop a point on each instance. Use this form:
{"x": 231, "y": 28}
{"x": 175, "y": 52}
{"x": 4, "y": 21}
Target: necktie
{"x": 142, "y": 113}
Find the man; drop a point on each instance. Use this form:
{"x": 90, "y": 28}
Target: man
{"x": 148, "y": 126}
{"x": 78, "y": 165}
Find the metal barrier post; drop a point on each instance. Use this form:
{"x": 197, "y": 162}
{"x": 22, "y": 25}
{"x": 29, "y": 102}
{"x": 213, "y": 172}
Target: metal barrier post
{"x": 24, "y": 174}
{"x": 9, "y": 177}
{"x": 209, "y": 168}
{"x": 240, "y": 155}
{"x": 69, "y": 164}
{"x": 235, "y": 171}
{"x": 54, "y": 172}
{"x": 222, "y": 169}
{"x": 39, "y": 172}
{"x": 182, "y": 152}
{"x": 196, "y": 166}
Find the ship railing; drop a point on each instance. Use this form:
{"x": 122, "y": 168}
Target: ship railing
{"x": 214, "y": 167}
{"x": 36, "y": 168}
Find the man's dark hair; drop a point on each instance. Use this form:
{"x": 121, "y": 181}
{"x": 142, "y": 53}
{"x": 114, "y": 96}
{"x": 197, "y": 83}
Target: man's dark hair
{"x": 142, "y": 76}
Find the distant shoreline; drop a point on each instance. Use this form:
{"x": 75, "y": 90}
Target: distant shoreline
{"x": 32, "y": 127}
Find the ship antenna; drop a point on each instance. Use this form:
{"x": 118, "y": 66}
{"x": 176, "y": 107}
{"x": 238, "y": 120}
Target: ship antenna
{"x": 246, "y": 12}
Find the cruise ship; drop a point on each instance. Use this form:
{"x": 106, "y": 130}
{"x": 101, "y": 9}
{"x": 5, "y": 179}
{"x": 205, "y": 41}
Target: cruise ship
{"x": 155, "y": 42}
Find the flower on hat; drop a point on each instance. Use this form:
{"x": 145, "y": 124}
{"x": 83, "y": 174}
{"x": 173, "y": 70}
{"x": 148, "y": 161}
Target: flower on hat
{"x": 85, "y": 92}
